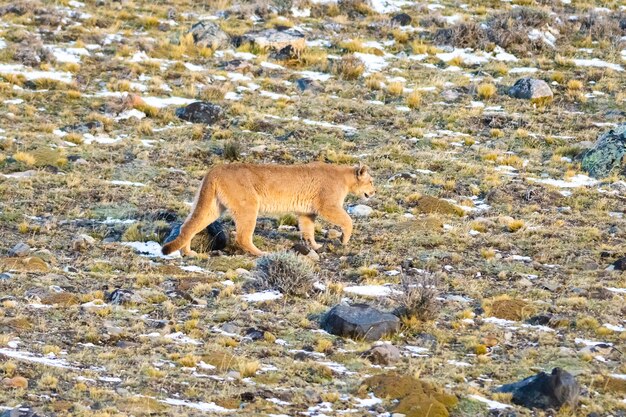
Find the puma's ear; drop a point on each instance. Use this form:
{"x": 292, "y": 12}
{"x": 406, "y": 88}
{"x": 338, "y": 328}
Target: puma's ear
{"x": 361, "y": 170}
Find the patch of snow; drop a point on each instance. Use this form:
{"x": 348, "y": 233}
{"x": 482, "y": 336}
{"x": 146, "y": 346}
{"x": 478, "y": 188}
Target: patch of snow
{"x": 466, "y": 55}
{"x": 130, "y": 113}
{"x": 591, "y": 343}
{"x": 270, "y": 65}
{"x": 68, "y": 55}
{"x": 30, "y": 74}
{"x": 133, "y": 184}
{"x": 180, "y": 337}
{"x": 373, "y": 63}
{"x": 598, "y": 63}
{"x": 458, "y": 363}
{"x": 193, "y": 268}
{"x": 262, "y": 296}
{"x": 368, "y": 402}
{"x": 579, "y": 180}
{"x": 389, "y": 6}
{"x": 519, "y": 70}
{"x": 314, "y": 75}
{"x": 493, "y": 405}
{"x": 193, "y": 67}
{"x": 150, "y": 249}
{"x": 200, "y": 406}
{"x": 371, "y": 290}
{"x": 31, "y": 357}
{"x": 614, "y": 327}
{"x": 616, "y": 290}
{"x": 274, "y": 96}
{"x": 160, "y": 102}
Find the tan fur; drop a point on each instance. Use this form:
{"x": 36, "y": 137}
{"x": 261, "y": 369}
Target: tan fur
{"x": 246, "y": 189}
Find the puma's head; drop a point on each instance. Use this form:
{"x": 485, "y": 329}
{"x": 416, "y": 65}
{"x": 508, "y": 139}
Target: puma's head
{"x": 364, "y": 185}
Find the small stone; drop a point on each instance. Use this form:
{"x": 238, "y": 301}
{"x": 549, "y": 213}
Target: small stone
{"x": 230, "y": 328}
{"x": 359, "y": 321}
{"x": 531, "y": 89}
{"x": 258, "y": 149}
{"x": 233, "y": 374}
{"x": 360, "y": 210}
{"x": 5, "y": 276}
{"x": 307, "y": 84}
{"x": 333, "y": 234}
{"x": 545, "y": 391}
{"x": 384, "y": 354}
{"x": 450, "y": 95}
{"x": 255, "y": 334}
{"x": 200, "y": 112}
{"x": 82, "y": 242}
{"x": 121, "y": 296}
{"x": 20, "y": 250}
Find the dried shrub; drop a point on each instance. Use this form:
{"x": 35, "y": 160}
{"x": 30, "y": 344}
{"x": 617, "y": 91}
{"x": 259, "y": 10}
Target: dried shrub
{"x": 286, "y": 272}
{"x": 418, "y": 298}
{"x": 350, "y": 67}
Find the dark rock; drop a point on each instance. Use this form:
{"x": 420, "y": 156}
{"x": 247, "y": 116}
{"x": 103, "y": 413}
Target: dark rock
{"x": 288, "y": 52}
{"x": 402, "y": 19}
{"x": 531, "y": 89}
{"x": 384, "y": 354}
{"x": 619, "y": 265}
{"x": 307, "y": 84}
{"x": 540, "y": 320}
{"x": 20, "y": 250}
{"x": 255, "y": 334}
{"x": 83, "y": 127}
{"x": 119, "y": 296}
{"x": 200, "y": 112}
{"x": 502, "y": 413}
{"x": 545, "y": 391}
{"x": 209, "y": 34}
{"x": 212, "y": 238}
{"x": 607, "y": 154}
{"x": 359, "y": 321}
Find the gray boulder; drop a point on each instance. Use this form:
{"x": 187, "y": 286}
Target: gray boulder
{"x": 531, "y": 89}
{"x": 200, "y": 112}
{"x": 276, "y": 39}
{"x": 384, "y": 354}
{"x": 359, "y": 321}
{"x": 545, "y": 391}
{"x": 209, "y": 34}
{"x": 607, "y": 154}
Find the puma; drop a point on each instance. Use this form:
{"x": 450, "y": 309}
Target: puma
{"x": 308, "y": 190}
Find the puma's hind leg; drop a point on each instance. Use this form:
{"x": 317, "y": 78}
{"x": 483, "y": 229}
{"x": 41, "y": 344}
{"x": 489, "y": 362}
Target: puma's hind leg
{"x": 245, "y": 223}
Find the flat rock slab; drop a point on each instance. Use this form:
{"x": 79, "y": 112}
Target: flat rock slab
{"x": 209, "y": 34}
{"x": 359, "y": 321}
{"x": 277, "y": 39}
{"x": 545, "y": 390}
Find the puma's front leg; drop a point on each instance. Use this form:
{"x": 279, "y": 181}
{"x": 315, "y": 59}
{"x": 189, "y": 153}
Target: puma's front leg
{"x": 338, "y": 216}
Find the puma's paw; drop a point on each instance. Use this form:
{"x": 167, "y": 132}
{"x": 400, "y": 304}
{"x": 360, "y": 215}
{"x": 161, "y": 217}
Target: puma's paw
{"x": 316, "y": 246}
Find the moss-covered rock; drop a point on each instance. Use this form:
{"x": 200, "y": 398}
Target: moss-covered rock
{"x": 430, "y": 204}
{"x": 608, "y": 153}
{"x": 508, "y": 308}
{"x": 417, "y": 398}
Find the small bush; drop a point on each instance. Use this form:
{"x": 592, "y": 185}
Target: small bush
{"x": 285, "y": 272}
{"x": 350, "y": 67}
{"x": 418, "y": 298}
{"x": 414, "y": 99}
{"x": 232, "y": 151}
{"x": 486, "y": 90}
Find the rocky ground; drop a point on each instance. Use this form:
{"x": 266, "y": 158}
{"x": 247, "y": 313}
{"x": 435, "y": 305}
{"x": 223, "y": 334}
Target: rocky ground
{"x": 492, "y": 251}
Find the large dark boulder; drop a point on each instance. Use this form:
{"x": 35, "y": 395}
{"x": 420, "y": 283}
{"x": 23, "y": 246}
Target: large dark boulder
{"x": 607, "y": 154}
{"x": 200, "y": 112}
{"x": 545, "y": 391}
{"x": 214, "y": 237}
{"x": 359, "y": 321}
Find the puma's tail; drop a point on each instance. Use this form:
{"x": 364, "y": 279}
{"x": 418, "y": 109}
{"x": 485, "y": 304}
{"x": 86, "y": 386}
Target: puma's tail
{"x": 205, "y": 200}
